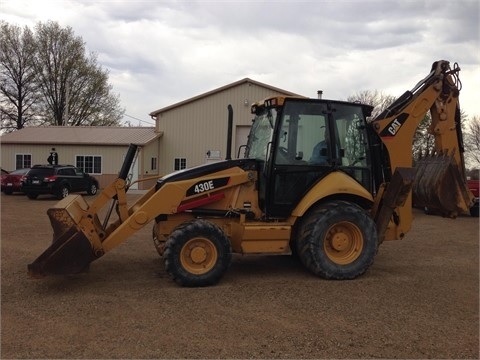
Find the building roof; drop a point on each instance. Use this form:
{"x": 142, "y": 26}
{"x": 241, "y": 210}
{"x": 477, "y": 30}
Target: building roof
{"x": 220, "y": 89}
{"x": 82, "y": 135}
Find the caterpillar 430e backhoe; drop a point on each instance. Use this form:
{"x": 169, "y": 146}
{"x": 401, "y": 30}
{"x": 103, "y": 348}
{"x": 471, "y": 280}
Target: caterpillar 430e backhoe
{"x": 317, "y": 180}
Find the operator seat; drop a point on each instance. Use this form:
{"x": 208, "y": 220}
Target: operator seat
{"x": 319, "y": 154}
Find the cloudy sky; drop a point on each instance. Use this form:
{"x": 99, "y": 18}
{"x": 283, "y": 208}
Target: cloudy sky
{"x": 162, "y": 52}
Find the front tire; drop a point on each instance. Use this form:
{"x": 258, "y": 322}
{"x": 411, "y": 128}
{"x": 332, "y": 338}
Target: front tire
{"x": 92, "y": 190}
{"x": 158, "y": 240}
{"x": 337, "y": 240}
{"x": 197, "y": 253}
{"x": 32, "y": 196}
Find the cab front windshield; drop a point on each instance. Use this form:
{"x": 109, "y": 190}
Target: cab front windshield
{"x": 261, "y": 134}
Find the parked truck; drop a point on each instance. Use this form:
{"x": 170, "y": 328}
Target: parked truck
{"x": 317, "y": 180}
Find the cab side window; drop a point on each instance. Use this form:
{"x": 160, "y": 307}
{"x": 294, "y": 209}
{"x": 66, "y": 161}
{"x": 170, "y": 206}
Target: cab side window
{"x": 302, "y": 140}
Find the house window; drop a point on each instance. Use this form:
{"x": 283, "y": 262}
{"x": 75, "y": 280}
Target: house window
{"x": 23, "y": 161}
{"x": 91, "y": 164}
{"x": 153, "y": 163}
{"x": 180, "y": 163}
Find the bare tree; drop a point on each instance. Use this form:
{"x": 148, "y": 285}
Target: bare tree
{"x": 74, "y": 86}
{"x": 89, "y": 98}
{"x": 423, "y": 141}
{"x": 472, "y": 141}
{"x": 376, "y": 98}
{"x": 18, "y": 89}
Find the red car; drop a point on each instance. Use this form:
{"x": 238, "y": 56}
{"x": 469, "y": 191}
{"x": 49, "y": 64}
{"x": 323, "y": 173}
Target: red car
{"x": 12, "y": 182}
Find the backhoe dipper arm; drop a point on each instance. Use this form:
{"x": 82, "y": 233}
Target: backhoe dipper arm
{"x": 439, "y": 180}
{"x": 437, "y": 93}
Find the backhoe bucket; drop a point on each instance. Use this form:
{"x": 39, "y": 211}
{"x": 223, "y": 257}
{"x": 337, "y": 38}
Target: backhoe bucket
{"x": 71, "y": 251}
{"x": 440, "y": 187}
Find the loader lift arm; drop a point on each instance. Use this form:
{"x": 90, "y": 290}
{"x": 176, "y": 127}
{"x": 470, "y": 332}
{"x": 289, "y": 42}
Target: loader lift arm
{"x": 80, "y": 237}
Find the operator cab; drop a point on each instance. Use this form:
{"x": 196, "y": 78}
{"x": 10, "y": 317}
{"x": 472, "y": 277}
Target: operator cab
{"x": 299, "y": 141}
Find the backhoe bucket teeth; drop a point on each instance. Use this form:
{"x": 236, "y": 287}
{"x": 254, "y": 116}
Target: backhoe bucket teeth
{"x": 71, "y": 251}
{"x": 440, "y": 187}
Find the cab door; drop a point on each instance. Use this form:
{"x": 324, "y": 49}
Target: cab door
{"x": 313, "y": 139}
{"x": 301, "y": 155}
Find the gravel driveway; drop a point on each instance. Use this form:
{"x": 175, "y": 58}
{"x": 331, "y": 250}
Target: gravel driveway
{"x": 420, "y": 299}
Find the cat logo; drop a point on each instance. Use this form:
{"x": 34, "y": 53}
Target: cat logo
{"x": 394, "y": 127}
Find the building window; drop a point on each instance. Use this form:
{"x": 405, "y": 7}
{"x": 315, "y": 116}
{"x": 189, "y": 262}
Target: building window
{"x": 23, "y": 161}
{"x": 153, "y": 164}
{"x": 180, "y": 163}
{"x": 91, "y": 164}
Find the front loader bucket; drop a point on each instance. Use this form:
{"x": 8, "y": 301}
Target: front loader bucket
{"x": 69, "y": 254}
{"x": 71, "y": 251}
{"x": 440, "y": 187}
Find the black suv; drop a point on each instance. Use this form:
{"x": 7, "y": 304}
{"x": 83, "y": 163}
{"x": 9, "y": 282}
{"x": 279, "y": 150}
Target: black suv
{"x": 58, "y": 180}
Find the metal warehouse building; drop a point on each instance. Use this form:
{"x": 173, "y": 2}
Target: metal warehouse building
{"x": 186, "y": 134}
{"x": 98, "y": 150}
{"x": 195, "y": 130}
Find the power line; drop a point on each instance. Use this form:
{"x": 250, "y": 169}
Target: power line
{"x": 135, "y": 118}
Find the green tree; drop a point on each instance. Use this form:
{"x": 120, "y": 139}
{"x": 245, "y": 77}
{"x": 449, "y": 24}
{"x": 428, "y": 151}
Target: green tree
{"x": 74, "y": 87}
{"x": 18, "y": 89}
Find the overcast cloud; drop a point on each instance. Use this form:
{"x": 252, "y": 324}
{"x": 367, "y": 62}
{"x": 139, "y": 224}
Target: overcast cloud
{"x": 162, "y": 52}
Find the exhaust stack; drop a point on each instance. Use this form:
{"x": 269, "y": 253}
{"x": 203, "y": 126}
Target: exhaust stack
{"x": 228, "y": 156}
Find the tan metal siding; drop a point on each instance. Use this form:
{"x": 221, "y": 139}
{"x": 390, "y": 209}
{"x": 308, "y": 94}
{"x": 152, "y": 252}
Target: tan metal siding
{"x": 150, "y": 151}
{"x": 112, "y": 156}
{"x": 197, "y": 127}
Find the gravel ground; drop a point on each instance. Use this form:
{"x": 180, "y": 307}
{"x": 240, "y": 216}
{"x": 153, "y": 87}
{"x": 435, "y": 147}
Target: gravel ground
{"x": 420, "y": 299}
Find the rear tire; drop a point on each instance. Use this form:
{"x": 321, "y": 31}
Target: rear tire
{"x": 197, "y": 253}
{"x": 337, "y": 240}
{"x": 474, "y": 210}
{"x": 8, "y": 192}
{"x": 62, "y": 192}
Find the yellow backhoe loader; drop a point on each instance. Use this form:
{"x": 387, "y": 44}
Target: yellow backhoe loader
{"x": 316, "y": 179}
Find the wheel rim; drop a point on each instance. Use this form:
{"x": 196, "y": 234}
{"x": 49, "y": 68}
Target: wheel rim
{"x": 198, "y": 256}
{"x": 64, "y": 192}
{"x": 343, "y": 243}
{"x": 93, "y": 189}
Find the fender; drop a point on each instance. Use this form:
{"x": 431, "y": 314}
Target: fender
{"x": 335, "y": 183}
